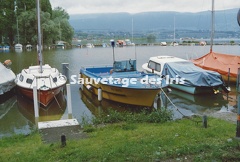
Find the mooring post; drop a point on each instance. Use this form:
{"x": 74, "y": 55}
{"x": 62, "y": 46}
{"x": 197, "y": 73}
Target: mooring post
{"x": 158, "y": 101}
{"x": 238, "y": 105}
{"x": 63, "y": 140}
{"x": 69, "y": 99}
{"x": 205, "y": 121}
{"x": 36, "y": 109}
{"x": 228, "y": 77}
{"x": 65, "y": 70}
{"x": 35, "y": 99}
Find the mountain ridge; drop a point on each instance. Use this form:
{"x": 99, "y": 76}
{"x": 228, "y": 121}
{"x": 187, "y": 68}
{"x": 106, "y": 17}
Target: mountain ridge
{"x": 225, "y": 20}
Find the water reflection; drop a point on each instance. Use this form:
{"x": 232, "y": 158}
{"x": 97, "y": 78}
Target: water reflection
{"x": 180, "y": 103}
{"x": 53, "y": 111}
{"x": 8, "y": 115}
{"x": 97, "y": 108}
{"x": 188, "y": 104}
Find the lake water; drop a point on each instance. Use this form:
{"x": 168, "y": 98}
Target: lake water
{"x": 17, "y": 115}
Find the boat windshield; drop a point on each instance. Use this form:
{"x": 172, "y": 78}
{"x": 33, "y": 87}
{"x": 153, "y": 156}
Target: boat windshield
{"x": 123, "y": 66}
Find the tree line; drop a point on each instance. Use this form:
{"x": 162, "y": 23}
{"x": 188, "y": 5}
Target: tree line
{"x": 19, "y": 23}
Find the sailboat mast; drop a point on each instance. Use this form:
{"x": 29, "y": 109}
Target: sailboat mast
{"x": 15, "y": 10}
{"x": 132, "y": 30}
{"x": 39, "y": 37}
{"x": 174, "y": 30}
{"x": 213, "y": 25}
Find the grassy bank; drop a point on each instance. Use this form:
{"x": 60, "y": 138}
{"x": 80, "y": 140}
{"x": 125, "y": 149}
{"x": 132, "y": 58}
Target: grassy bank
{"x": 123, "y": 141}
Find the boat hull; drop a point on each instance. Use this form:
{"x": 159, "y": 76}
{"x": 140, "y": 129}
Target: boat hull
{"x": 132, "y": 96}
{"x": 44, "y": 97}
{"x": 193, "y": 90}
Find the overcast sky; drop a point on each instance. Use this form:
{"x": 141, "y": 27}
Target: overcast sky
{"x": 136, "y": 6}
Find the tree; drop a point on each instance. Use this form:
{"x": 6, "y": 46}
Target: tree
{"x": 151, "y": 38}
{"x": 53, "y": 22}
{"x": 64, "y": 31}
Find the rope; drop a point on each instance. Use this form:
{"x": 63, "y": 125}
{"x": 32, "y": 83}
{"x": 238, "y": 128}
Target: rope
{"x": 57, "y": 101}
{"x": 69, "y": 69}
{"x": 173, "y": 103}
{"x": 187, "y": 117}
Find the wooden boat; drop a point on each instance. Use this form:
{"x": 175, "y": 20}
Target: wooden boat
{"x": 225, "y": 64}
{"x": 47, "y": 80}
{"x": 184, "y": 75}
{"x": 122, "y": 83}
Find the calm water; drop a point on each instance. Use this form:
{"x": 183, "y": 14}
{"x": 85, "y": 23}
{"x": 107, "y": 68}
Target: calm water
{"x": 16, "y": 113}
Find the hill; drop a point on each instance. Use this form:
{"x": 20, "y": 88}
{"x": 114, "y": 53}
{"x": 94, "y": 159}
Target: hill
{"x": 225, "y": 20}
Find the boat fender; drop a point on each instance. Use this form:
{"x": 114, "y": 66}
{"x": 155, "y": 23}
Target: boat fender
{"x": 99, "y": 94}
{"x": 111, "y": 71}
{"x": 169, "y": 90}
{"x": 89, "y": 87}
{"x": 7, "y": 63}
{"x": 225, "y": 89}
{"x": 62, "y": 77}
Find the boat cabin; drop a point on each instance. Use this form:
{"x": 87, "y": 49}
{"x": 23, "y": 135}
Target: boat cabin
{"x": 156, "y": 64}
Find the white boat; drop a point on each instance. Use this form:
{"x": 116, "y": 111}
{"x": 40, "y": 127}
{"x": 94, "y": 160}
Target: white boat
{"x": 28, "y": 47}
{"x": 6, "y": 48}
{"x": 60, "y": 44}
{"x": 184, "y": 75}
{"x": 46, "y": 79}
{"x": 89, "y": 45}
{"x": 163, "y": 43}
{"x": 18, "y": 46}
{"x": 7, "y": 77}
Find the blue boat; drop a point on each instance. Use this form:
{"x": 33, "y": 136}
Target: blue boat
{"x": 122, "y": 83}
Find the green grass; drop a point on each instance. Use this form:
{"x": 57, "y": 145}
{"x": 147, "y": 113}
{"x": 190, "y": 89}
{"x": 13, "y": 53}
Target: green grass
{"x": 124, "y": 141}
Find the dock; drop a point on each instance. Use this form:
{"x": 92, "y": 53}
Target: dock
{"x": 52, "y": 131}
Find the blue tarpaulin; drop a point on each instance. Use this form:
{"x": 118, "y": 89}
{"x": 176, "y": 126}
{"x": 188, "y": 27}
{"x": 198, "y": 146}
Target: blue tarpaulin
{"x": 191, "y": 74}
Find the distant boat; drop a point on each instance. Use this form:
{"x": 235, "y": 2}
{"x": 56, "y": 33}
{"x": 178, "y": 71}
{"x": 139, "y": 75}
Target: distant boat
{"x": 174, "y": 44}
{"x": 28, "y": 47}
{"x": 46, "y": 79}
{"x": 6, "y": 48}
{"x": 60, "y": 44}
{"x": 104, "y": 45}
{"x": 121, "y": 43}
{"x": 18, "y": 46}
{"x": 7, "y": 77}
{"x": 225, "y": 64}
{"x": 89, "y": 45}
{"x": 202, "y": 43}
{"x": 184, "y": 75}
{"x": 163, "y": 43}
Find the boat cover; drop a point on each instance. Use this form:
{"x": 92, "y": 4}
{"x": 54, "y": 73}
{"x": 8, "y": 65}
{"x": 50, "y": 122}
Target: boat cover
{"x": 7, "y": 79}
{"x": 219, "y": 63}
{"x": 188, "y": 74}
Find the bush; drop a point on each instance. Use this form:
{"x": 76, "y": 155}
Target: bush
{"x": 154, "y": 116}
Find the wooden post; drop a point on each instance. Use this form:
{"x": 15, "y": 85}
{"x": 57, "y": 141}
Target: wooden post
{"x": 205, "y": 121}
{"x": 63, "y": 140}
{"x": 69, "y": 99}
{"x": 65, "y": 70}
{"x": 158, "y": 101}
